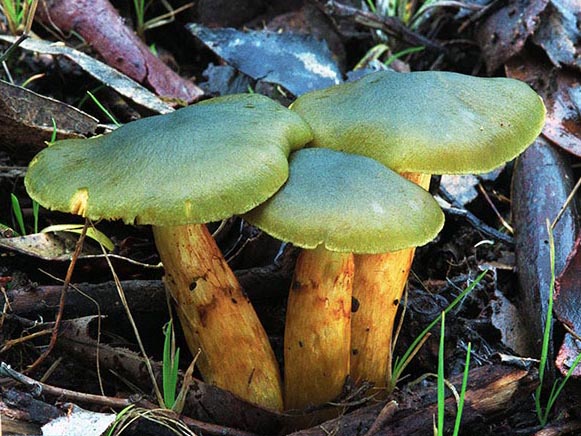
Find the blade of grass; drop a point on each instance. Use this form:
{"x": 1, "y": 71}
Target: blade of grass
{"x": 543, "y": 415}
{"x": 169, "y": 367}
{"x": 462, "y": 391}
{"x": 402, "y": 53}
{"x": 441, "y": 387}
{"x": 547, "y": 331}
{"x": 53, "y": 134}
{"x": 558, "y": 387}
{"x": 35, "y": 213}
{"x": 18, "y": 213}
{"x": 105, "y": 111}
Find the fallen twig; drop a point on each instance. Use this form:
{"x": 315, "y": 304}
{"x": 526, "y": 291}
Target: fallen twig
{"x": 390, "y": 25}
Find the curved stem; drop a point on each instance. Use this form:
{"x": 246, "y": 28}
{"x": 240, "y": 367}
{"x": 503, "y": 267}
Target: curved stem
{"x": 377, "y": 289}
{"x": 318, "y": 328}
{"x": 217, "y": 317}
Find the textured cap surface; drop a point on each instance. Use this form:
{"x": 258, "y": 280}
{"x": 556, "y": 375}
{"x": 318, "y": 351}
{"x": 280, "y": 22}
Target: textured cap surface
{"x": 433, "y": 122}
{"x": 348, "y": 203}
{"x": 202, "y": 163}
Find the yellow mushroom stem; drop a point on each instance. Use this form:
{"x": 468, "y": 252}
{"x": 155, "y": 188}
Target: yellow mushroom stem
{"x": 318, "y": 328}
{"x": 217, "y": 317}
{"x": 377, "y": 290}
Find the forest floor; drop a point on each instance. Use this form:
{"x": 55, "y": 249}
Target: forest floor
{"x": 66, "y": 341}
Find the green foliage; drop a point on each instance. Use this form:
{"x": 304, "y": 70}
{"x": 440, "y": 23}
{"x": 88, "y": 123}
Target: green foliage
{"x": 463, "y": 391}
{"x": 141, "y": 6}
{"x": 543, "y": 414}
{"x": 402, "y": 53}
{"x": 409, "y": 12}
{"x": 103, "y": 109}
{"x": 18, "y": 216}
{"x": 171, "y": 357}
{"x": 379, "y": 52}
{"x": 441, "y": 379}
{"x": 441, "y": 384}
{"x": 17, "y": 211}
{"x": 114, "y": 428}
{"x": 17, "y": 13}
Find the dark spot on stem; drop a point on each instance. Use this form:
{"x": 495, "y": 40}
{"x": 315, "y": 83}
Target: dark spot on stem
{"x": 301, "y": 345}
{"x": 354, "y": 304}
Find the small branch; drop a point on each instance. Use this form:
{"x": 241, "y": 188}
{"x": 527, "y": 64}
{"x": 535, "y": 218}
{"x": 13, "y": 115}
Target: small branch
{"x": 59, "y": 315}
{"x": 458, "y": 210}
{"x": 390, "y": 25}
{"x": 42, "y": 388}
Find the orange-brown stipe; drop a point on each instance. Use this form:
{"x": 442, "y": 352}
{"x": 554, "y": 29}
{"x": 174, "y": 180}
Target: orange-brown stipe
{"x": 378, "y": 287}
{"x": 318, "y": 329}
{"x": 217, "y": 317}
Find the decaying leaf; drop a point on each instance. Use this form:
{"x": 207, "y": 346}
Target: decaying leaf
{"x": 560, "y": 33}
{"x": 505, "y": 317}
{"x": 504, "y": 33}
{"x": 26, "y": 120}
{"x": 561, "y": 92}
{"x": 542, "y": 181}
{"x": 567, "y": 304}
{"x": 100, "y": 71}
{"x": 299, "y": 63}
{"x": 46, "y": 246}
{"x": 102, "y": 27}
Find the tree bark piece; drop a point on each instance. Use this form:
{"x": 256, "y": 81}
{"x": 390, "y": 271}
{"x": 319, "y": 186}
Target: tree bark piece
{"x": 318, "y": 328}
{"x": 102, "y": 27}
{"x": 542, "y": 180}
{"x": 217, "y": 317}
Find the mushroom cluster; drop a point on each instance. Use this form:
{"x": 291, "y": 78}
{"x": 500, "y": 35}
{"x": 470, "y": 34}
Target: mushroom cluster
{"x": 345, "y": 200}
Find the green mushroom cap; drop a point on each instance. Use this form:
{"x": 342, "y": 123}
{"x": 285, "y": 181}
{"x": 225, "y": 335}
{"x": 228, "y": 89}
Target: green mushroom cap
{"x": 202, "y": 163}
{"x": 427, "y": 122}
{"x": 348, "y": 203}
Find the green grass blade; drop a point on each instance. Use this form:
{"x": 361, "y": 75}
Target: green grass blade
{"x": 559, "y": 387}
{"x": 547, "y": 331}
{"x": 402, "y": 53}
{"x": 18, "y": 213}
{"x": 167, "y": 367}
{"x": 371, "y": 5}
{"x": 170, "y": 367}
{"x": 462, "y": 391}
{"x": 35, "y": 213}
{"x": 105, "y": 111}
{"x": 53, "y": 134}
{"x": 441, "y": 386}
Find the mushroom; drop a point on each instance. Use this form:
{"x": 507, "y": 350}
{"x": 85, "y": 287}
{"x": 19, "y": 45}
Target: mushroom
{"x": 417, "y": 124}
{"x": 335, "y": 204}
{"x": 199, "y": 164}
